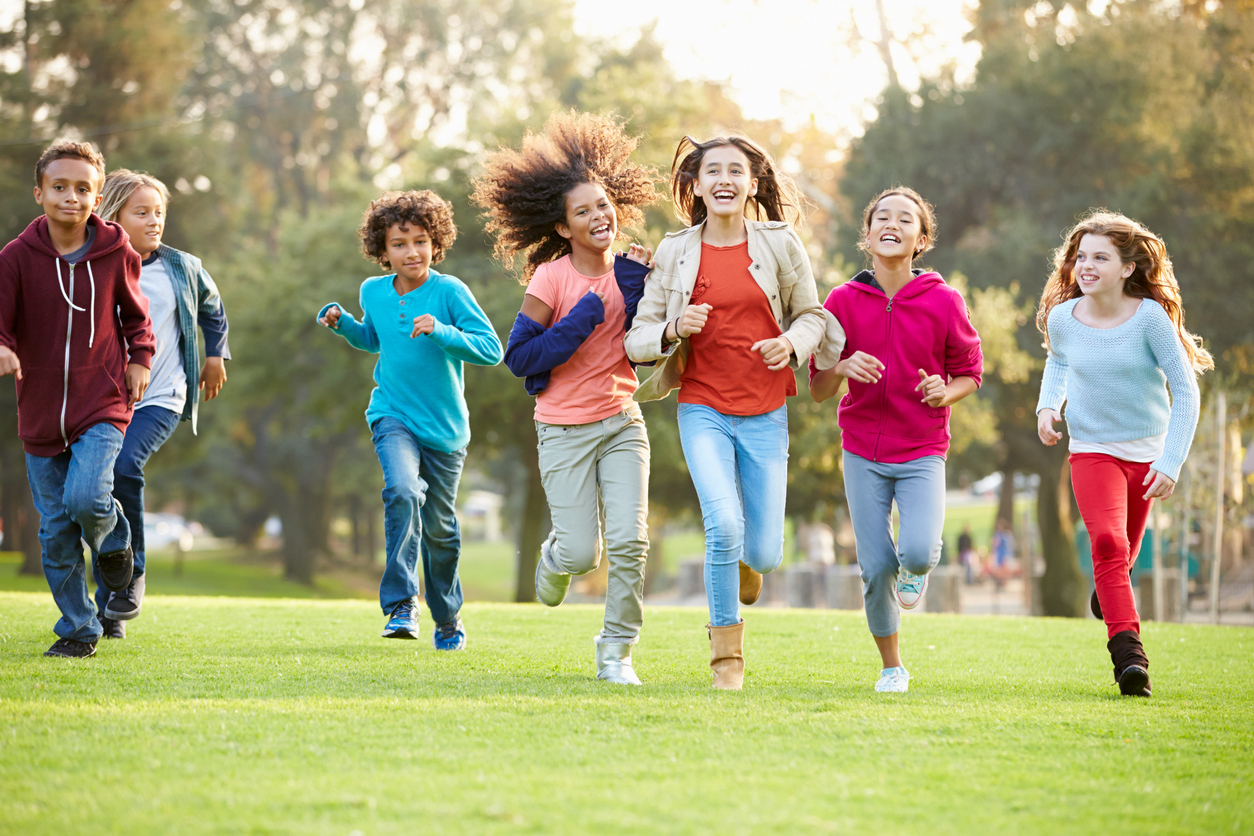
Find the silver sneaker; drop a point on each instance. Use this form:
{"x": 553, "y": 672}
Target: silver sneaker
{"x": 614, "y": 662}
{"x": 551, "y": 584}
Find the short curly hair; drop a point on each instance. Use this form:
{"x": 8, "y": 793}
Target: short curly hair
{"x": 523, "y": 192}
{"x": 68, "y": 149}
{"x": 419, "y": 207}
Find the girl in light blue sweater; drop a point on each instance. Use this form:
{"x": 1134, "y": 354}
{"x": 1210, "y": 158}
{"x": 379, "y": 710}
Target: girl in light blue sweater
{"x": 1113, "y": 322}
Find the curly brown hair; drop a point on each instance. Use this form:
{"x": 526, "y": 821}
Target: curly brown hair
{"x": 523, "y": 192}
{"x": 68, "y": 149}
{"x": 777, "y": 198}
{"x": 1154, "y": 277}
{"x": 419, "y": 207}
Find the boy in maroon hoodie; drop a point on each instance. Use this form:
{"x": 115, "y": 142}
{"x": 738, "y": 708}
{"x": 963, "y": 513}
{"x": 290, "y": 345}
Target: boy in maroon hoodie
{"x": 75, "y": 333}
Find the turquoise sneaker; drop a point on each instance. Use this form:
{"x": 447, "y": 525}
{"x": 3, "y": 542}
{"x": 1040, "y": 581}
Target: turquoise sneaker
{"x": 910, "y": 589}
{"x": 893, "y": 681}
{"x": 404, "y": 622}
{"x": 450, "y": 635}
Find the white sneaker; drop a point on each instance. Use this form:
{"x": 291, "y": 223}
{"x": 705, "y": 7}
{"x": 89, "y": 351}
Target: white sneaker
{"x": 910, "y": 589}
{"x": 893, "y": 681}
{"x": 551, "y": 585}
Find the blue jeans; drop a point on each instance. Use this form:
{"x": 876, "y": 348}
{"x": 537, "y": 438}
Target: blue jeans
{"x": 73, "y": 493}
{"x": 870, "y": 488}
{"x": 739, "y": 466}
{"x": 419, "y": 492}
{"x": 151, "y": 426}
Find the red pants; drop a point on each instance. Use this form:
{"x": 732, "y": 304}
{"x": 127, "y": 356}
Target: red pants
{"x": 1109, "y": 493}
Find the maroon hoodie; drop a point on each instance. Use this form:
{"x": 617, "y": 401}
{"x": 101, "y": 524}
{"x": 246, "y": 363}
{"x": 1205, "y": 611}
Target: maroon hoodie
{"x": 71, "y": 326}
{"x": 926, "y": 326}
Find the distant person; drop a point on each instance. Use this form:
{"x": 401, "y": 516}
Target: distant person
{"x": 1001, "y": 552}
{"x": 423, "y": 325}
{"x": 967, "y": 556}
{"x": 75, "y": 332}
{"x": 558, "y": 202}
{"x": 911, "y": 353}
{"x": 181, "y": 295}
{"x": 731, "y": 308}
{"x": 1113, "y": 321}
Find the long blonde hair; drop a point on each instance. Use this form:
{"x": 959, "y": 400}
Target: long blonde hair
{"x": 1153, "y": 277}
{"x": 120, "y": 184}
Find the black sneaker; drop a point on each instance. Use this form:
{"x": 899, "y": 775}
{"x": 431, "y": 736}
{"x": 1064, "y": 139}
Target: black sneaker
{"x": 1134, "y": 681}
{"x": 116, "y": 568}
{"x": 125, "y": 605}
{"x": 113, "y": 629}
{"x": 72, "y": 649}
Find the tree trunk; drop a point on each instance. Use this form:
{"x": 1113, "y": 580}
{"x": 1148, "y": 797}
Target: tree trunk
{"x": 532, "y": 530}
{"x": 1006, "y": 497}
{"x": 1062, "y": 586}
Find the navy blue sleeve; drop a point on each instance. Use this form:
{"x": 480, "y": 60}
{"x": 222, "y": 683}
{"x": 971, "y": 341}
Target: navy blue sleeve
{"x": 630, "y": 276}
{"x": 533, "y": 349}
{"x": 214, "y": 326}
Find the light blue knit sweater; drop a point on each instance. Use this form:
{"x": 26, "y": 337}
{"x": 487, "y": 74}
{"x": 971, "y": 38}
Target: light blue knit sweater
{"x": 1114, "y": 381}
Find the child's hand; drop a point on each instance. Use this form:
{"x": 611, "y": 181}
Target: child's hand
{"x": 692, "y": 320}
{"x": 331, "y": 318}
{"x": 861, "y": 367}
{"x": 774, "y": 351}
{"x": 1045, "y": 427}
{"x": 639, "y": 253}
{"x": 9, "y": 364}
{"x": 932, "y": 387}
{"x": 423, "y": 324}
{"x": 136, "y": 383}
{"x": 212, "y": 376}
{"x": 1160, "y": 485}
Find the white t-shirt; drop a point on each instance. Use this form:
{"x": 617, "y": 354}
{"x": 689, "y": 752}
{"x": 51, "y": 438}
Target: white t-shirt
{"x": 167, "y": 381}
{"x": 1138, "y": 450}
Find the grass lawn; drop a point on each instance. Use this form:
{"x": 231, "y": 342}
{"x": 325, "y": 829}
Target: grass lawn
{"x": 233, "y": 715}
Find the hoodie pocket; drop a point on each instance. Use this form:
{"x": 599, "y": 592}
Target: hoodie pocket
{"x": 39, "y": 403}
{"x": 92, "y": 387}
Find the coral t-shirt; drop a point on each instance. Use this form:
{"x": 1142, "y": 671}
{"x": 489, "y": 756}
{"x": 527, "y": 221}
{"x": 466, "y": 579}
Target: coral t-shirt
{"x": 723, "y": 371}
{"x": 598, "y": 380}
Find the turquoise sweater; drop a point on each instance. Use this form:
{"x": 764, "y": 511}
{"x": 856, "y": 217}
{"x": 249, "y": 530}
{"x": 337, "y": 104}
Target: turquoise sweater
{"x": 420, "y": 379}
{"x": 1114, "y": 381}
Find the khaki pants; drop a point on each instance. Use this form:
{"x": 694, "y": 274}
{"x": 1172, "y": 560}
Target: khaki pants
{"x": 594, "y": 471}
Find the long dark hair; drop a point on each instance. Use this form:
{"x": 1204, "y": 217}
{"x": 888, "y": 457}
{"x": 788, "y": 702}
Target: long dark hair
{"x": 777, "y": 199}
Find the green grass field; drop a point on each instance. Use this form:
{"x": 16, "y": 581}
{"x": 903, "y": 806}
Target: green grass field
{"x": 238, "y": 715}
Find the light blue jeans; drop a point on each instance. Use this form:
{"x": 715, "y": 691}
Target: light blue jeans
{"x": 870, "y": 488}
{"x": 739, "y": 466}
{"x": 419, "y": 492}
{"x": 73, "y": 493}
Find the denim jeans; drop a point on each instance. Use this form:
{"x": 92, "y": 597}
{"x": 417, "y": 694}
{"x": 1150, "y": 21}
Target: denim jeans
{"x": 73, "y": 493}
{"x": 151, "y": 426}
{"x": 739, "y": 466}
{"x": 870, "y": 487}
{"x": 419, "y": 492}
{"x": 594, "y": 469}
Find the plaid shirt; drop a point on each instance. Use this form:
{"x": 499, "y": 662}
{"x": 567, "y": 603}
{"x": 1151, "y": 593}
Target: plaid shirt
{"x": 198, "y": 303}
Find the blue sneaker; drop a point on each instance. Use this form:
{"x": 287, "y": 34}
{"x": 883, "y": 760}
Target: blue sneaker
{"x": 910, "y": 588}
{"x": 450, "y": 635}
{"x": 404, "y": 622}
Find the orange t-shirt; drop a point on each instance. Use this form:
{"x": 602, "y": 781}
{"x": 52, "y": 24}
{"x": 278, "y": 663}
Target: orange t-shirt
{"x": 723, "y": 371}
{"x": 598, "y": 380}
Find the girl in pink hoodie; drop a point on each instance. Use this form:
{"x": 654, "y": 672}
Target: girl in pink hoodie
{"x": 910, "y": 353}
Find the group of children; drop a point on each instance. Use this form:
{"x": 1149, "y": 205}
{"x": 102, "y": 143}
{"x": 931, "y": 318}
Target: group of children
{"x": 725, "y": 312}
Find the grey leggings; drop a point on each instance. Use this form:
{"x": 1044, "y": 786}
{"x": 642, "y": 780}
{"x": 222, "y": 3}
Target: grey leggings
{"x": 870, "y": 487}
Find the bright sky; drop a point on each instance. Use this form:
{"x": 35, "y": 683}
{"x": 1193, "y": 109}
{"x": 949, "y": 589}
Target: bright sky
{"x": 790, "y": 59}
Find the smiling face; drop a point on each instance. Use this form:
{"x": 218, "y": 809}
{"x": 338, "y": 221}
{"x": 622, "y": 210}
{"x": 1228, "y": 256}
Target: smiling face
{"x": 143, "y": 218}
{"x": 591, "y": 222}
{"x": 70, "y": 191}
{"x": 896, "y": 228}
{"x": 409, "y": 251}
{"x": 725, "y": 182}
{"x": 1098, "y": 267}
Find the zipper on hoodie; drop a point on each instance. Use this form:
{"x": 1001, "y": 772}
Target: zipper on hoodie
{"x": 888, "y": 343}
{"x": 65, "y": 378}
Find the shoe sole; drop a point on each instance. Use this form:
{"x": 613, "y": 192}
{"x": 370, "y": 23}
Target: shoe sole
{"x": 122, "y": 615}
{"x": 1134, "y": 682}
{"x": 52, "y": 655}
{"x": 399, "y": 634}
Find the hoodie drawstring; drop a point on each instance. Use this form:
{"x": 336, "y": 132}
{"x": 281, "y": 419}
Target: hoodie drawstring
{"x": 92, "y": 280}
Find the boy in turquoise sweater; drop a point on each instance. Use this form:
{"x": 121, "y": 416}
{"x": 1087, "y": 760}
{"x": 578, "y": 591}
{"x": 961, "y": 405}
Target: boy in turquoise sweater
{"x": 423, "y": 325}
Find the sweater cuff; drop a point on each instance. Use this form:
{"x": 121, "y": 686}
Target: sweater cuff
{"x": 142, "y": 356}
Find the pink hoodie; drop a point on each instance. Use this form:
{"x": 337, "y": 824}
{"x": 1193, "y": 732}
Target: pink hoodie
{"x": 925, "y": 326}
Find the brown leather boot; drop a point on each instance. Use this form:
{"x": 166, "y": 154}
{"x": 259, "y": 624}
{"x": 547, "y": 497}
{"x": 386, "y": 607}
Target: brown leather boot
{"x": 727, "y": 657}
{"x": 750, "y": 584}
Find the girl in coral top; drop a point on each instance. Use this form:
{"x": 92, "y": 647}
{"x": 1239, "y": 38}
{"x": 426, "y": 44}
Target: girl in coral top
{"x": 732, "y": 308}
{"x": 911, "y": 352}
{"x": 1113, "y": 322}
{"x": 558, "y": 202}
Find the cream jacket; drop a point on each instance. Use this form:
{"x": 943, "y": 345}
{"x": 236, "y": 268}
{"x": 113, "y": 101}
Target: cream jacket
{"x": 780, "y": 266}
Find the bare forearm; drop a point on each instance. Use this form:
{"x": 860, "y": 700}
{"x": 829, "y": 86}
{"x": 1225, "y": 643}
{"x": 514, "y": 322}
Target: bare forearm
{"x": 957, "y": 389}
{"x": 825, "y": 384}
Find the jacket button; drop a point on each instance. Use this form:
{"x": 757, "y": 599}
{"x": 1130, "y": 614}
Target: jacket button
{"x": 772, "y": 295}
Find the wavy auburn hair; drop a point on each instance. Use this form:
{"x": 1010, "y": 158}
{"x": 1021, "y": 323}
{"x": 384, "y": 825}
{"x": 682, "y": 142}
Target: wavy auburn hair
{"x": 523, "y": 192}
{"x": 1153, "y": 277}
{"x": 777, "y": 199}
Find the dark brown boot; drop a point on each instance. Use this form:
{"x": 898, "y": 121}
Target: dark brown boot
{"x": 1131, "y": 664}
